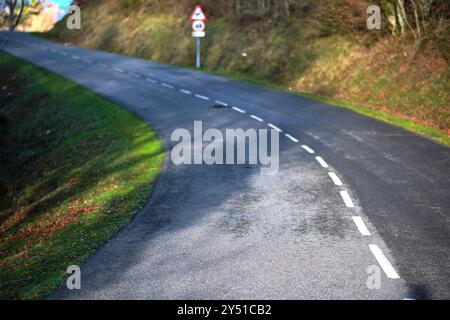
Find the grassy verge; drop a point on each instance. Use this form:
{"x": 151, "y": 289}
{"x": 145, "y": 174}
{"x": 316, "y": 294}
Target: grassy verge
{"x": 380, "y": 76}
{"x": 74, "y": 168}
{"x": 404, "y": 123}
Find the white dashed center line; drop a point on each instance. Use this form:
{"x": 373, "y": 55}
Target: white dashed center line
{"x": 167, "y": 85}
{"x": 238, "y": 109}
{"x": 201, "y": 97}
{"x": 291, "y": 137}
{"x": 308, "y": 149}
{"x": 63, "y": 53}
{"x": 335, "y": 178}
{"x": 134, "y": 75}
{"x": 75, "y": 57}
{"x": 103, "y": 65}
{"x": 256, "y": 118}
{"x": 274, "y": 127}
{"x": 151, "y": 80}
{"x": 322, "y": 162}
{"x": 347, "y": 200}
{"x": 222, "y": 103}
{"x": 361, "y": 226}
{"x": 119, "y": 70}
{"x": 383, "y": 262}
{"x": 185, "y": 91}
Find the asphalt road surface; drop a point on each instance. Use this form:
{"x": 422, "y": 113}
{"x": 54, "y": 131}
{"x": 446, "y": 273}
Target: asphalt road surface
{"x": 351, "y": 193}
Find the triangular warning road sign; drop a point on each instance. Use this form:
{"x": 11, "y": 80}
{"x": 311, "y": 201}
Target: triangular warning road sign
{"x": 198, "y": 14}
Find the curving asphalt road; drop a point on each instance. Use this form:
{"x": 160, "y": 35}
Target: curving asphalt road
{"x": 351, "y": 192}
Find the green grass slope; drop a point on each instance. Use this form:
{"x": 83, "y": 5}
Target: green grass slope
{"x": 303, "y": 55}
{"x": 74, "y": 168}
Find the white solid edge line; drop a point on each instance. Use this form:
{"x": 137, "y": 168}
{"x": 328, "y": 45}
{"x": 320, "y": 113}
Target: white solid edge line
{"x": 361, "y": 226}
{"x": 201, "y": 97}
{"x": 290, "y": 137}
{"x": 185, "y": 91}
{"x": 167, "y": 85}
{"x": 322, "y": 162}
{"x": 308, "y": 149}
{"x": 335, "y": 178}
{"x": 274, "y": 127}
{"x": 222, "y": 103}
{"x": 238, "y": 109}
{"x": 256, "y": 118}
{"x": 346, "y": 197}
{"x": 383, "y": 262}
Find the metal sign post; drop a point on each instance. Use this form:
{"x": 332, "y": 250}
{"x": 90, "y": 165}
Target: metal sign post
{"x": 198, "y": 27}
{"x": 198, "y": 63}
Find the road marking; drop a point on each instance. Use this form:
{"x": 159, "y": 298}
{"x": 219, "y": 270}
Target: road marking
{"x": 134, "y": 75}
{"x": 63, "y": 53}
{"x": 383, "y": 262}
{"x": 346, "y": 197}
{"x": 238, "y": 109}
{"x": 151, "y": 80}
{"x": 322, "y": 162}
{"x": 290, "y": 137}
{"x": 201, "y": 97}
{"x": 335, "y": 178}
{"x": 256, "y": 118}
{"x": 45, "y": 48}
{"x": 361, "y": 226}
{"x": 75, "y": 57}
{"x": 88, "y": 61}
{"x": 167, "y": 85}
{"x": 185, "y": 91}
{"x": 222, "y": 103}
{"x": 103, "y": 65}
{"x": 274, "y": 127}
{"x": 308, "y": 149}
{"x": 119, "y": 70}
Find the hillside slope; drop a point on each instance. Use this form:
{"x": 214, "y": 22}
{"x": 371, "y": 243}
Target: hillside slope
{"x": 74, "y": 168}
{"x": 298, "y": 53}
